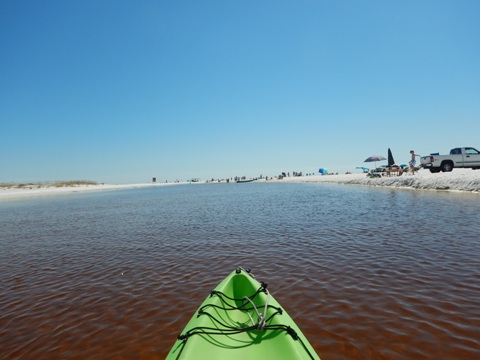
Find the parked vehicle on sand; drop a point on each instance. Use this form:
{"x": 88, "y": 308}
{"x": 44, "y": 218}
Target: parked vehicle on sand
{"x": 461, "y": 157}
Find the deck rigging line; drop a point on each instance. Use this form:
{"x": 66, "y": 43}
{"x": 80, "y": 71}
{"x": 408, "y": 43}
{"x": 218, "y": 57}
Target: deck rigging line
{"x": 246, "y": 305}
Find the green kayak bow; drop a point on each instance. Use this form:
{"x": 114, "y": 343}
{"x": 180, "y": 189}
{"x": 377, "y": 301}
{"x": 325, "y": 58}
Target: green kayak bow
{"x": 241, "y": 320}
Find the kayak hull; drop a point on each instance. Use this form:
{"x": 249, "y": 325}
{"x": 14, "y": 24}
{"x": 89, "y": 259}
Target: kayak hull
{"x": 229, "y": 326}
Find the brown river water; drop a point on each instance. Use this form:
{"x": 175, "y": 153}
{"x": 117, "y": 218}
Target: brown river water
{"x": 365, "y": 273}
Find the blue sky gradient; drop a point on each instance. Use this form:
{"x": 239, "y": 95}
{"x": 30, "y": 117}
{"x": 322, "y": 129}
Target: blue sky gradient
{"x": 123, "y": 91}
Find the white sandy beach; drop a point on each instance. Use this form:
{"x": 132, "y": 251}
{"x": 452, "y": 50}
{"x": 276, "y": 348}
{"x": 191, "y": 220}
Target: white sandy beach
{"x": 463, "y": 180}
{"x": 41, "y": 190}
{"x": 466, "y": 180}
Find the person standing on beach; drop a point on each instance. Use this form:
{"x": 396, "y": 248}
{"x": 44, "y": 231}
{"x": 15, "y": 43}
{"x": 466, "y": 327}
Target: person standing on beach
{"x": 412, "y": 162}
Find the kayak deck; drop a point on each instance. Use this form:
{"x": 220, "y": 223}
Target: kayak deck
{"x": 241, "y": 320}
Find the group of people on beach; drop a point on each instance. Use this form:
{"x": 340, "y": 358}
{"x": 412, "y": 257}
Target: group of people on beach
{"x": 412, "y": 168}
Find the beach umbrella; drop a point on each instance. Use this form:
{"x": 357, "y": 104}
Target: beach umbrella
{"x": 390, "y": 158}
{"x": 323, "y": 171}
{"x": 374, "y": 159}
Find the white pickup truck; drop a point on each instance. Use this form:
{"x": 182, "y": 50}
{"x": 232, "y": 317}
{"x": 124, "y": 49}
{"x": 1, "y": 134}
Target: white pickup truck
{"x": 464, "y": 157}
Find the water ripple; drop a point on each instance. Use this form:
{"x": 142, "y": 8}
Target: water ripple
{"x": 366, "y": 273}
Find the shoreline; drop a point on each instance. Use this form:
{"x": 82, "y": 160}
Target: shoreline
{"x": 13, "y": 193}
{"x": 459, "y": 180}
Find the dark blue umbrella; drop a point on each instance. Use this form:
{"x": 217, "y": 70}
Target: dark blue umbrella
{"x": 390, "y": 158}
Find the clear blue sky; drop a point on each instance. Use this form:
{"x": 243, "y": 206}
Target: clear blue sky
{"x": 122, "y": 91}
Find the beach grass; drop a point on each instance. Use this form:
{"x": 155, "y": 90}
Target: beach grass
{"x": 55, "y": 184}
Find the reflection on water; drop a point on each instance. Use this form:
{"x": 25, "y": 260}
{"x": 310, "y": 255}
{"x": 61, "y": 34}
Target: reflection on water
{"x": 366, "y": 273}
